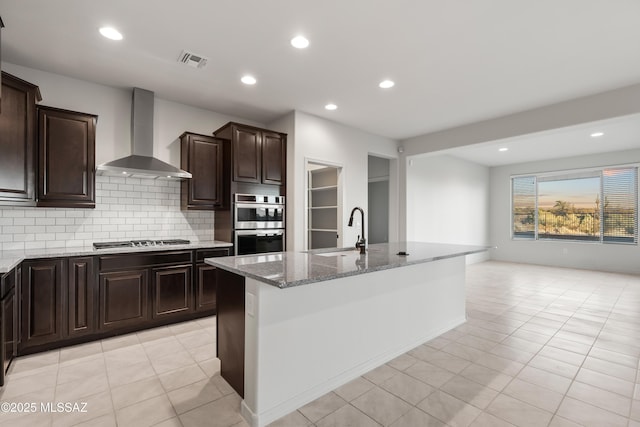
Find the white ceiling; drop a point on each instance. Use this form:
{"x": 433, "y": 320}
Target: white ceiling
{"x": 621, "y": 133}
{"x": 454, "y": 62}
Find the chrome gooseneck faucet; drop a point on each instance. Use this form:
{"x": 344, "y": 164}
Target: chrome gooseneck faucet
{"x": 362, "y": 242}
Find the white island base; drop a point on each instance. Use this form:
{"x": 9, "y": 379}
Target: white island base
{"x": 304, "y": 341}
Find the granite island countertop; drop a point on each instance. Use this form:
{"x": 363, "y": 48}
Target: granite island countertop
{"x": 288, "y": 269}
{"x": 10, "y": 259}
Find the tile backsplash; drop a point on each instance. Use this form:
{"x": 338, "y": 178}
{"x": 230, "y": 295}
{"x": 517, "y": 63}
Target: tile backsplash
{"x": 126, "y": 208}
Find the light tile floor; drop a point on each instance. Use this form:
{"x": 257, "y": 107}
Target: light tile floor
{"x": 542, "y": 347}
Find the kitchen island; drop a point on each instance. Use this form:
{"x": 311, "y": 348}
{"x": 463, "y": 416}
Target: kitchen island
{"x": 294, "y": 326}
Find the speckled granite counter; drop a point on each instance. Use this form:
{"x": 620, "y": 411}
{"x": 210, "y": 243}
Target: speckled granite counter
{"x": 287, "y": 269}
{"x": 10, "y": 259}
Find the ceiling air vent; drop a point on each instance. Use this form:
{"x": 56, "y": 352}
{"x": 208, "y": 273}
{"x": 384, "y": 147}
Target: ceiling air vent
{"x": 192, "y": 60}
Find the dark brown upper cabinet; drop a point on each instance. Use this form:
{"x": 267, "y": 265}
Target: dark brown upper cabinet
{"x": 204, "y": 157}
{"x": 18, "y": 141}
{"x": 258, "y": 155}
{"x": 66, "y": 158}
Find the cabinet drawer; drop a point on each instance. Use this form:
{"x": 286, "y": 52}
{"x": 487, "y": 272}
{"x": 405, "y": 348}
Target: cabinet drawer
{"x": 122, "y": 261}
{"x": 212, "y": 253}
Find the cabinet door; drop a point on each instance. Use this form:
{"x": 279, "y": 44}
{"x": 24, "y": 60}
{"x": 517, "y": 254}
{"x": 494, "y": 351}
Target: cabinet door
{"x": 17, "y": 140}
{"x": 246, "y": 154}
{"x": 274, "y": 158}
{"x": 9, "y": 330}
{"x": 124, "y": 297}
{"x": 81, "y": 284}
{"x": 202, "y": 156}
{"x": 66, "y": 142}
{"x": 42, "y": 302}
{"x": 172, "y": 291}
{"x": 206, "y": 289}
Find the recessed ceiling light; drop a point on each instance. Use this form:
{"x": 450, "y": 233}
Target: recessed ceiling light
{"x": 330, "y": 106}
{"x": 248, "y": 80}
{"x": 596, "y": 134}
{"x": 386, "y": 84}
{"x": 503, "y": 149}
{"x": 111, "y": 33}
{"x": 300, "y": 42}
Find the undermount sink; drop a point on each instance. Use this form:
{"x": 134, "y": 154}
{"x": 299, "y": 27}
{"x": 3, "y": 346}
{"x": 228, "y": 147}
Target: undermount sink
{"x": 343, "y": 252}
{"x": 340, "y": 253}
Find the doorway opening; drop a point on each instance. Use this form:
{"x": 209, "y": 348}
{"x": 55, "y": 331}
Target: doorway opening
{"x": 324, "y": 205}
{"x": 378, "y": 196}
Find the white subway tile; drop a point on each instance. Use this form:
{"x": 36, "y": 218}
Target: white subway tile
{"x": 34, "y": 245}
{"x": 27, "y": 237}
{"x": 65, "y": 221}
{"x": 13, "y": 246}
{"x": 13, "y": 213}
{"x": 6, "y": 221}
{"x": 54, "y": 244}
{"x": 46, "y": 236}
{"x": 55, "y": 213}
{"x": 12, "y": 229}
{"x": 34, "y": 213}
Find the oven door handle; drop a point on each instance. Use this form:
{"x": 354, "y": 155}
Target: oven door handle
{"x": 259, "y": 233}
{"x": 258, "y": 206}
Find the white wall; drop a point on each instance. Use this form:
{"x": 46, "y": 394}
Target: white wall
{"x": 593, "y": 256}
{"x": 113, "y": 107}
{"x": 315, "y": 138}
{"x": 448, "y": 202}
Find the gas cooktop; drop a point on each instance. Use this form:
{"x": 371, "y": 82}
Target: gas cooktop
{"x": 139, "y": 243}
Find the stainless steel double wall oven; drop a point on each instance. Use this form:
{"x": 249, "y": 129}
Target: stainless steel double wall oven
{"x": 259, "y": 224}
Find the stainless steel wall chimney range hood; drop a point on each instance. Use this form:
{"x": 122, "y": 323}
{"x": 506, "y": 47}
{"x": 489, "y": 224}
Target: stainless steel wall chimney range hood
{"x": 141, "y": 163}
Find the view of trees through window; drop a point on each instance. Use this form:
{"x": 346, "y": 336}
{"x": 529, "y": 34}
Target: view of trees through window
{"x": 593, "y": 206}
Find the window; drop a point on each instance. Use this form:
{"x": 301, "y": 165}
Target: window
{"x": 596, "y": 205}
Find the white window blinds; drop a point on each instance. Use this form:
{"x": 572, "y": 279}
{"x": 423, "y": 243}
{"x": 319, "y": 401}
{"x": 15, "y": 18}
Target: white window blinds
{"x": 524, "y": 207}
{"x": 620, "y": 202}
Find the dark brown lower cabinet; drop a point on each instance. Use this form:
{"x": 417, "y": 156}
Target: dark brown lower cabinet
{"x": 206, "y": 279}
{"x": 8, "y": 321}
{"x": 64, "y": 301}
{"x": 81, "y": 296}
{"x": 124, "y": 297}
{"x": 172, "y": 290}
{"x": 206, "y": 296}
{"x": 42, "y": 302}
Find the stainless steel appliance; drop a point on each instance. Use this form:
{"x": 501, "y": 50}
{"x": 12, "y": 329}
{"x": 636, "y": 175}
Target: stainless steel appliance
{"x": 139, "y": 243}
{"x": 259, "y": 224}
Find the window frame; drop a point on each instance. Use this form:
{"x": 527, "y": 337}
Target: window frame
{"x": 577, "y": 172}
